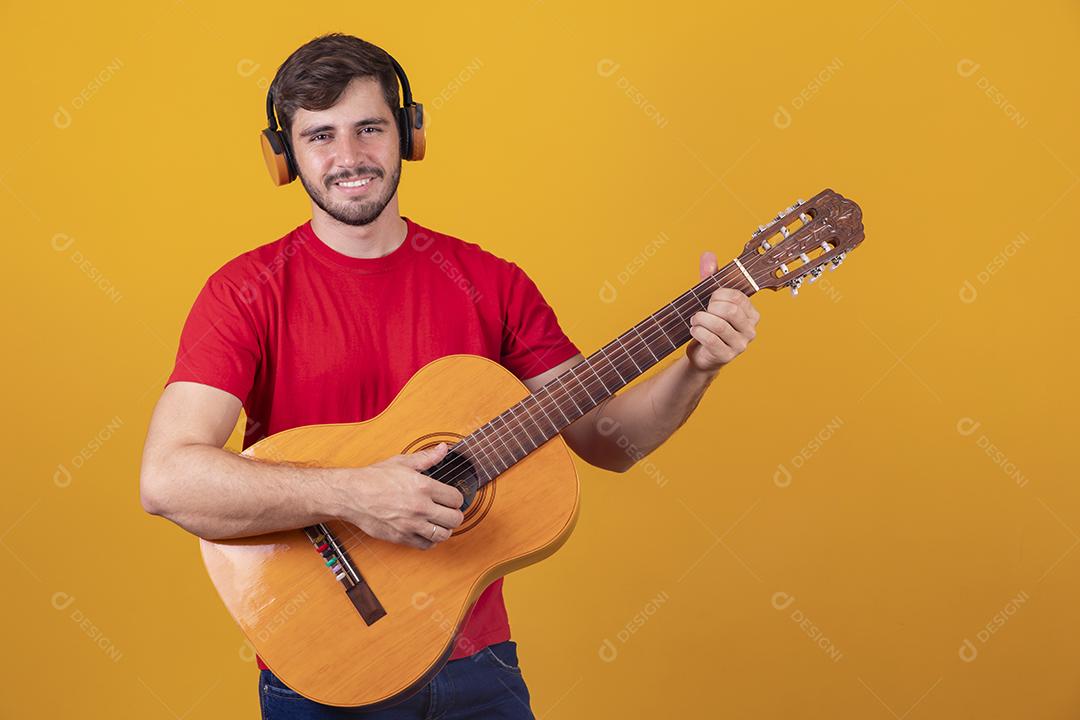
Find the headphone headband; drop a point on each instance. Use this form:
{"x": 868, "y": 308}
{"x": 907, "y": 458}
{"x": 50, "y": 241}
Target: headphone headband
{"x": 277, "y": 149}
{"x": 271, "y": 118}
{"x": 406, "y": 91}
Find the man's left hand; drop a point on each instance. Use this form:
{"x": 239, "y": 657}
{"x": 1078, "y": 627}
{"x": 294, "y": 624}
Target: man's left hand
{"x": 723, "y": 331}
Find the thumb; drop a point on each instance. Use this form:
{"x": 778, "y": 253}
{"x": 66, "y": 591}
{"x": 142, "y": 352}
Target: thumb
{"x": 708, "y": 264}
{"x": 423, "y": 459}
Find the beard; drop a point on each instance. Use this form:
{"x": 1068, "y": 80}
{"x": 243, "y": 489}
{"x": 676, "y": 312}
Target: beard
{"x": 359, "y": 211}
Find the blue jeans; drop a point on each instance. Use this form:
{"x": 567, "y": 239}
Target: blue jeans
{"x": 487, "y": 684}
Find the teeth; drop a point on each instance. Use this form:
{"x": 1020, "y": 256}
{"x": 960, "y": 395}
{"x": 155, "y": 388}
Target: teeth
{"x": 355, "y": 183}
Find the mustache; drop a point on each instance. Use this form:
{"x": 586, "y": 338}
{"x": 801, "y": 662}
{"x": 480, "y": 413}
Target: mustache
{"x": 356, "y": 174}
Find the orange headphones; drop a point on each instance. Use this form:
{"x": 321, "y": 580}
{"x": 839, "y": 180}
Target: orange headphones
{"x": 277, "y": 151}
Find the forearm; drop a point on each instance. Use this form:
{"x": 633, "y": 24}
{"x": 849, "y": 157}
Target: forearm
{"x": 216, "y": 494}
{"x": 632, "y": 424}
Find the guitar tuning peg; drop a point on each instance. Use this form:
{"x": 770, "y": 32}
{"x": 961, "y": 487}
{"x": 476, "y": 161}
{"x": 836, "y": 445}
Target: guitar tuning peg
{"x": 795, "y": 285}
{"x": 799, "y": 202}
{"x": 815, "y": 274}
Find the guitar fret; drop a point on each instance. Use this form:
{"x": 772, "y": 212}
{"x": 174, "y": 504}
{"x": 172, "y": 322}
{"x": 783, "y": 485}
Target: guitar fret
{"x": 571, "y": 396}
{"x": 522, "y": 428}
{"x": 673, "y": 345}
{"x": 627, "y": 352}
{"x": 554, "y": 427}
{"x": 573, "y": 371}
{"x": 521, "y": 421}
{"x": 484, "y": 451}
{"x": 556, "y": 403}
{"x": 613, "y": 366}
{"x": 606, "y": 389}
{"x": 643, "y": 342}
{"x": 483, "y": 434}
{"x": 498, "y": 436}
{"x": 514, "y": 435}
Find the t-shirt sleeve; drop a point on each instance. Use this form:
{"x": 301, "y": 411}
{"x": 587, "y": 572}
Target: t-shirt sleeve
{"x": 220, "y": 345}
{"x": 533, "y": 342}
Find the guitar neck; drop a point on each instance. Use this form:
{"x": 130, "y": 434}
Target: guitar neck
{"x": 524, "y": 427}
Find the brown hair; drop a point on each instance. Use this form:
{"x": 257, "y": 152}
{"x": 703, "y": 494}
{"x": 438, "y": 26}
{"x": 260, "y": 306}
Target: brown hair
{"x": 317, "y": 73}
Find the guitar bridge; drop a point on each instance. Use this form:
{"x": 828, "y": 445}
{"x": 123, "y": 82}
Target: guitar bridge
{"x": 345, "y": 571}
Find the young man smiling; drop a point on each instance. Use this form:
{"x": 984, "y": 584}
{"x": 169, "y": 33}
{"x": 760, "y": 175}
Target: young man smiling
{"x": 326, "y": 324}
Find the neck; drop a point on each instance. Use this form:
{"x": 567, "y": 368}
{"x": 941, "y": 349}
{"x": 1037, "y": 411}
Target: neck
{"x": 526, "y": 426}
{"x": 378, "y": 238}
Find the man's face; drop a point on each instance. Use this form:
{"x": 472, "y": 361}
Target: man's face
{"x": 355, "y": 142}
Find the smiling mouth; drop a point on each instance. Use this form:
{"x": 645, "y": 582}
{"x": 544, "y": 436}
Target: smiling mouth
{"x": 360, "y": 182}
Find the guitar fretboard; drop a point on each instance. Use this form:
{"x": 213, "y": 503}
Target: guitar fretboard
{"x": 521, "y": 429}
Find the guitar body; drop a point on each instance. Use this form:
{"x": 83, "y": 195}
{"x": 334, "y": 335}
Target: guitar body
{"x": 297, "y": 615}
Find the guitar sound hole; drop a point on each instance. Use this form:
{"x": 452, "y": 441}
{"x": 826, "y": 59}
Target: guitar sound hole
{"x": 456, "y": 469}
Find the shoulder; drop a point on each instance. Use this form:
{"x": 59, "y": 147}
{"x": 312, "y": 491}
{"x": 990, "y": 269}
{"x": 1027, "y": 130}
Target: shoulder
{"x": 251, "y": 272}
{"x": 467, "y": 255}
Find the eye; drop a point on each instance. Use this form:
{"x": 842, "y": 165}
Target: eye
{"x": 372, "y": 128}
{"x": 316, "y": 137}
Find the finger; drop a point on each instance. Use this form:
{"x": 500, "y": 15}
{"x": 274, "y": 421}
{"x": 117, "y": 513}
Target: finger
{"x": 430, "y": 534}
{"x": 446, "y": 495}
{"x": 445, "y": 517}
{"x": 414, "y": 540}
{"x": 423, "y": 459}
{"x": 755, "y": 316}
{"x": 731, "y": 295}
{"x": 708, "y": 264}
{"x": 721, "y": 329}
{"x": 712, "y": 344}
{"x": 734, "y": 314}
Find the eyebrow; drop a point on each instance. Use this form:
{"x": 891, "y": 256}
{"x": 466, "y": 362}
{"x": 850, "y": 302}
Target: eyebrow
{"x": 358, "y": 124}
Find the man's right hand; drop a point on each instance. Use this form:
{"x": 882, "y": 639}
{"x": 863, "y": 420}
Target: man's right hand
{"x": 393, "y": 501}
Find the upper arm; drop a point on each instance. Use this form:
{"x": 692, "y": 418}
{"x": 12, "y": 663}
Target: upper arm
{"x": 187, "y": 413}
{"x": 581, "y": 433}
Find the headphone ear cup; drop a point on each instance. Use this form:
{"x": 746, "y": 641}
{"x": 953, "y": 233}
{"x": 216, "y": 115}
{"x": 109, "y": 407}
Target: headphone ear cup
{"x": 404, "y": 136}
{"x": 417, "y": 138}
{"x": 276, "y": 155}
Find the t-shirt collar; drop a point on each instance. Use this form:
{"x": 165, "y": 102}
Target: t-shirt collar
{"x": 319, "y": 249}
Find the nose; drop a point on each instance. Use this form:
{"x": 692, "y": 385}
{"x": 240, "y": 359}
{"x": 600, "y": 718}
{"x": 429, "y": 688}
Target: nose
{"x": 351, "y": 151}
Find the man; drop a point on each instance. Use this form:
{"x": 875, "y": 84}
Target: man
{"x": 326, "y": 325}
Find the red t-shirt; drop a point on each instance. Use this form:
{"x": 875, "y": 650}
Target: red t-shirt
{"x": 305, "y": 335}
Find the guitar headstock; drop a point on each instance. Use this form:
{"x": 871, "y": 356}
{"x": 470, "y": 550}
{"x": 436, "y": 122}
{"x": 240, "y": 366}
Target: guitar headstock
{"x": 802, "y": 240}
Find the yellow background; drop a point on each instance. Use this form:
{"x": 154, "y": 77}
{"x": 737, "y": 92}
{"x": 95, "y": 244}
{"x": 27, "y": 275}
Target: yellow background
{"x": 578, "y": 141}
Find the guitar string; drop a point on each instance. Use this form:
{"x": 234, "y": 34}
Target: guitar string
{"x": 487, "y": 445}
{"x": 461, "y": 465}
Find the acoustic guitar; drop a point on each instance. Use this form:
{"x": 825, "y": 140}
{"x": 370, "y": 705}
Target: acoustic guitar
{"x": 348, "y": 620}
